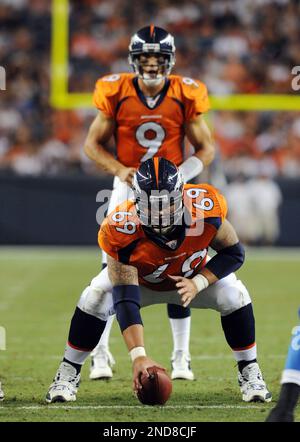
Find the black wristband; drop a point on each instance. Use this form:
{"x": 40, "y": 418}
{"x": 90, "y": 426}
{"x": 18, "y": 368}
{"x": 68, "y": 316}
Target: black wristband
{"x": 227, "y": 260}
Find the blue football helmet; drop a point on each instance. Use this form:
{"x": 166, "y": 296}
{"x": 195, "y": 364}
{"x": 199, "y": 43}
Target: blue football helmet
{"x": 152, "y": 40}
{"x": 158, "y": 193}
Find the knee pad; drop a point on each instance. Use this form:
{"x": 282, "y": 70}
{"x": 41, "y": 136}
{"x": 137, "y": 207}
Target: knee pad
{"x": 96, "y": 302}
{"x": 233, "y": 296}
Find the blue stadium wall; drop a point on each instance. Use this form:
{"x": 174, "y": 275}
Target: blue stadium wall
{"x": 62, "y": 210}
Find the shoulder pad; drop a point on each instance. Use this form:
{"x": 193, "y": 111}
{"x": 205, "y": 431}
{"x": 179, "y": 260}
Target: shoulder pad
{"x": 190, "y": 88}
{"x": 111, "y": 84}
{"x": 205, "y": 201}
{"x": 192, "y": 93}
{"x": 120, "y": 228}
{"x": 123, "y": 214}
{"x": 109, "y": 90}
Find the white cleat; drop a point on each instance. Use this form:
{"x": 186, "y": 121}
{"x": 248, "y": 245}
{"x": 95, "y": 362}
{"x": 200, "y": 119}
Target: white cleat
{"x": 101, "y": 363}
{"x": 181, "y": 366}
{"x": 65, "y": 385}
{"x": 252, "y": 384}
{"x": 1, "y": 393}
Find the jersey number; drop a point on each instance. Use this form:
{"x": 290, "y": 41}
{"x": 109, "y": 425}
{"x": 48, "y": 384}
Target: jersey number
{"x": 205, "y": 203}
{"x": 188, "y": 267}
{"x": 150, "y": 135}
{"x": 129, "y": 227}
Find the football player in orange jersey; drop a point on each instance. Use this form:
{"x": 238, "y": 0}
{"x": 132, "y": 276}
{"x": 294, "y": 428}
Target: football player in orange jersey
{"x": 157, "y": 253}
{"x": 149, "y": 113}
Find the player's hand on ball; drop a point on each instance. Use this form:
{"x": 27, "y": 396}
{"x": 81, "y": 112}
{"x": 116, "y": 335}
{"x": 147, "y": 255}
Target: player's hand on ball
{"x": 139, "y": 367}
{"x": 126, "y": 174}
{"x": 186, "y": 289}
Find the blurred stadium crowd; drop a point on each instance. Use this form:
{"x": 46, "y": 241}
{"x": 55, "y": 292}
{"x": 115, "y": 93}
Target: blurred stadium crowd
{"x": 233, "y": 46}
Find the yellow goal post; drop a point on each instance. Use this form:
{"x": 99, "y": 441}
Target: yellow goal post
{"x": 60, "y": 98}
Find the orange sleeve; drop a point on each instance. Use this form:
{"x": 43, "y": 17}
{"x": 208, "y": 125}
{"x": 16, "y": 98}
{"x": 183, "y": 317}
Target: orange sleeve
{"x": 219, "y": 202}
{"x": 196, "y": 99}
{"x": 222, "y": 204}
{"x": 118, "y": 230}
{"x": 105, "y": 96}
{"x": 205, "y": 201}
{"x": 106, "y": 240}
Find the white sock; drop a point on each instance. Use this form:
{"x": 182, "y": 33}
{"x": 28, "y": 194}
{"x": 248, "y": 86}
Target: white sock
{"x": 291, "y": 376}
{"x": 104, "y": 340}
{"x": 246, "y": 354}
{"x": 104, "y": 257}
{"x": 75, "y": 356}
{"x": 181, "y": 333}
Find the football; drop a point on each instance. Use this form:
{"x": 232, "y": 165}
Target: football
{"x": 156, "y": 389}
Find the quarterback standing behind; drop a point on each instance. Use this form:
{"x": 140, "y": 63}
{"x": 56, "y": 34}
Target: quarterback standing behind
{"x": 149, "y": 113}
{"x": 157, "y": 247}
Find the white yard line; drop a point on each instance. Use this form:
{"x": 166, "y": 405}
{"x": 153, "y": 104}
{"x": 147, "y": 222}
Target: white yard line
{"x": 129, "y": 407}
{"x": 199, "y": 357}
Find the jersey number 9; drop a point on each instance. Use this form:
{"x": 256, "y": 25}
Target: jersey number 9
{"x": 150, "y": 135}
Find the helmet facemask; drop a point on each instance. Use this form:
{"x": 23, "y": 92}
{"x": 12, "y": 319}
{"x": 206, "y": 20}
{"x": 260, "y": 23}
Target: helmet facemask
{"x": 161, "y": 211}
{"x": 158, "y": 194}
{"x": 159, "y": 71}
{"x": 152, "y": 41}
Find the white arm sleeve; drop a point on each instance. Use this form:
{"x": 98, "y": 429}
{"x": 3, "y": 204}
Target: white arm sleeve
{"x": 190, "y": 168}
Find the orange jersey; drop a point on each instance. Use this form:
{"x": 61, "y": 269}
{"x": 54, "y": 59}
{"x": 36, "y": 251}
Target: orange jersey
{"x": 143, "y": 132}
{"x": 122, "y": 236}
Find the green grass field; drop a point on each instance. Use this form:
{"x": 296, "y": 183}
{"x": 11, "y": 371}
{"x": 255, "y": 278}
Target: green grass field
{"x": 39, "y": 289}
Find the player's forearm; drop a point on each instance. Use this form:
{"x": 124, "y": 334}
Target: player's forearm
{"x": 205, "y": 152}
{"x": 126, "y": 298}
{"x": 211, "y": 278}
{"x": 194, "y": 165}
{"x": 203, "y": 143}
{"x": 226, "y": 261}
{"x": 104, "y": 159}
{"x": 230, "y": 254}
{"x": 229, "y": 258}
{"x": 191, "y": 168}
{"x": 134, "y": 336}
{"x": 200, "y": 137}
{"x": 100, "y": 132}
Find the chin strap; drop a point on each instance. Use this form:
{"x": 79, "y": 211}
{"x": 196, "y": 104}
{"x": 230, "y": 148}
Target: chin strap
{"x": 152, "y": 81}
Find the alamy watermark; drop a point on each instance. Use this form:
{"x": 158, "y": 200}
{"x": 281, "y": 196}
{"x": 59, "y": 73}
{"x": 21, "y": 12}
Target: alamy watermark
{"x": 161, "y": 209}
{"x": 296, "y": 80}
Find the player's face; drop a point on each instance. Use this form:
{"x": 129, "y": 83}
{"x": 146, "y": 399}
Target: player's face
{"x": 162, "y": 220}
{"x": 152, "y": 68}
{"x": 152, "y": 64}
{"x": 161, "y": 213}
